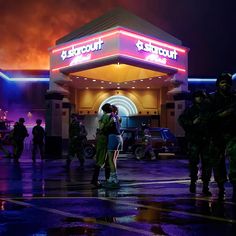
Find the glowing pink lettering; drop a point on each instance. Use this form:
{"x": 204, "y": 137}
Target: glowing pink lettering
{"x": 80, "y": 59}
{"x": 148, "y": 47}
{"x": 75, "y": 51}
{"x": 156, "y": 58}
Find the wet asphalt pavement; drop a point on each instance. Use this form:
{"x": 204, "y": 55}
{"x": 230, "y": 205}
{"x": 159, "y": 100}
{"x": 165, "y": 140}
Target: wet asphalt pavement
{"x": 47, "y": 199}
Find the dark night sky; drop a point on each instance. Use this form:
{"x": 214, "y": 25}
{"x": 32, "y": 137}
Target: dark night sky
{"x": 29, "y": 27}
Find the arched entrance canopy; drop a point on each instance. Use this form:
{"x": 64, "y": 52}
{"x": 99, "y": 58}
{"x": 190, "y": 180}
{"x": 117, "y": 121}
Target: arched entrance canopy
{"x": 84, "y": 57}
{"x": 118, "y": 47}
{"x": 125, "y": 105}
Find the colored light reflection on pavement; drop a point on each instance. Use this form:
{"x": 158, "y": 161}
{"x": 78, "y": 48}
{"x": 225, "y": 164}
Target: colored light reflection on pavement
{"x": 46, "y": 199}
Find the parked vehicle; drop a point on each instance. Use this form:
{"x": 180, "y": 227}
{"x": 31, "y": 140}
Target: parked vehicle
{"x": 90, "y": 149}
{"x": 162, "y": 141}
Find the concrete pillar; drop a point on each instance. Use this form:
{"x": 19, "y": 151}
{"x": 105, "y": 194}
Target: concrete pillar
{"x": 53, "y": 140}
{"x": 66, "y": 112}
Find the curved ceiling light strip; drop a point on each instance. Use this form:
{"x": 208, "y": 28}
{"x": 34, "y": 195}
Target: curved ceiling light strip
{"x": 123, "y": 102}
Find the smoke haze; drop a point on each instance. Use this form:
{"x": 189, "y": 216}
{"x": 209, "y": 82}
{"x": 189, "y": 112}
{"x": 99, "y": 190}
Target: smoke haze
{"x": 29, "y": 27}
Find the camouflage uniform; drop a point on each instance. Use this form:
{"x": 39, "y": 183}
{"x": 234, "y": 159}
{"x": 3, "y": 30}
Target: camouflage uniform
{"x": 77, "y": 140}
{"x": 194, "y": 121}
{"x": 224, "y": 132}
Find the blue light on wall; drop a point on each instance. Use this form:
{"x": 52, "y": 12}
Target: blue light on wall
{"x": 198, "y": 80}
{"x": 24, "y": 79}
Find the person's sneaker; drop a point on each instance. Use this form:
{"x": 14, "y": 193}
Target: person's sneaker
{"x": 192, "y": 187}
{"x": 112, "y": 185}
{"x": 97, "y": 184}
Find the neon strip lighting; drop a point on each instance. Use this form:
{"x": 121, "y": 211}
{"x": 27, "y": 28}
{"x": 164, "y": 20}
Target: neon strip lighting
{"x": 86, "y": 41}
{"x": 124, "y": 32}
{"x": 23, "y": 79}
{"x": 100, "y": 58}
{"x": 201, "y": 80}
{"x": 155, "y": 63}
{"x": 125, "y": 55}
{"x": 123, "y": 102}
{"x": 151, "y": 40}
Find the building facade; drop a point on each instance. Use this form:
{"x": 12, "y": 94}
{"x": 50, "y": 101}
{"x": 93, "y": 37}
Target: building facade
{"x": 121, "y": 59}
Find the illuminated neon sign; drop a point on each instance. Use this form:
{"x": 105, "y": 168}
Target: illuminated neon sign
{"x": 80, "y": 59}
{"x": 148, "y": 47}
{"x": 119, "y": 43}
{"x": 156, "y": 58}
{"x": 75, "y": 51}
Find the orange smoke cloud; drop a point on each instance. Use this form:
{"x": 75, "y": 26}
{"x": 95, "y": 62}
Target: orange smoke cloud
{"x": 29, "y": 28}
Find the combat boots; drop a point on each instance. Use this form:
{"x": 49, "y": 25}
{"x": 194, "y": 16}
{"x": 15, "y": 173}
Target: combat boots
{"x": 221, "y": 193}
{"x": 205, "y": 189}
{"x": 68, "y": 162}
{"x": 234, "y": 193}
{"x": 192, "y": 187}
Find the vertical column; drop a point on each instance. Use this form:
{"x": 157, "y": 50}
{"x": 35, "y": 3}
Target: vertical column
{"x": 163, "y": 110}
{"x": 66, "y": 111}
{"x": 53, "y": 140}
{"x": 179, "y": 82}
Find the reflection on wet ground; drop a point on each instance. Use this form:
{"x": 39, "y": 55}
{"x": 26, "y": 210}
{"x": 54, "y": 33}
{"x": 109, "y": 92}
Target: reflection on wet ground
{"x": 46, "y": 199}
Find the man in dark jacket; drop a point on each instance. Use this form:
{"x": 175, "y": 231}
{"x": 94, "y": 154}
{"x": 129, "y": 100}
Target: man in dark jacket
{"x": 38, "y": 139}
{"x": 19, "y": 134}
{"x": 194, "y": 121}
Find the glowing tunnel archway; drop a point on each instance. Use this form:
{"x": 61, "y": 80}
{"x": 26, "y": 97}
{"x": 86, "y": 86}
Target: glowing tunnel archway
{"x": 125, "y": 105}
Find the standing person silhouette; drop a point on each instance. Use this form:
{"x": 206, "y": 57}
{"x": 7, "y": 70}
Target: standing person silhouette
{"x": 115, "y": 144}
{"x": 101, "y": 145}
{"x": 19, "y": 134}
{"x": 223, "y": 122}
{"x": 38, "y": 139}
{"x": 195, "y": 122}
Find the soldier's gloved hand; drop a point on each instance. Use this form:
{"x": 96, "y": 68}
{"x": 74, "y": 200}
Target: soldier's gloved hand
{"x": 226, "y": 112}
{"x": 196, "y": 120}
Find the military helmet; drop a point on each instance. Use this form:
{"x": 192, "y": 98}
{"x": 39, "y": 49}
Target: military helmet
{"x": 38, "y": 121}
{"x": 227, "y": 77}
{"x": 198, "y": 93}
